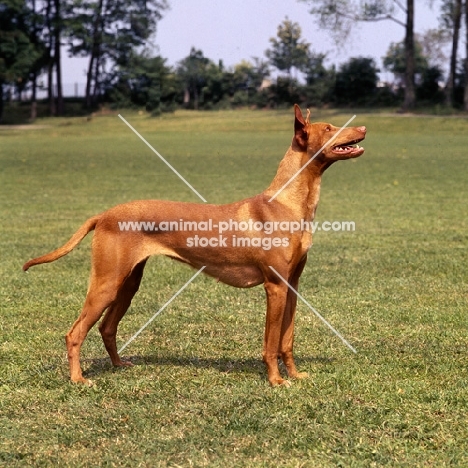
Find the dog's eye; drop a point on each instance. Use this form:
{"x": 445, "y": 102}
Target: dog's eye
{"x": 328, "y": 128}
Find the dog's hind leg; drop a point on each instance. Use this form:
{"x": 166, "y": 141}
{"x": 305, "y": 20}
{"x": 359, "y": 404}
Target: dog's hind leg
{"x": 116, "y": 311}
{"x": 99, "y": 297}
{"x": 110, "y": 269}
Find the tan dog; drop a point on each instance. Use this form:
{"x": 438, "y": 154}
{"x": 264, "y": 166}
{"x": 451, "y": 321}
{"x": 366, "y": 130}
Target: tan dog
{"x": 242, "y": 254}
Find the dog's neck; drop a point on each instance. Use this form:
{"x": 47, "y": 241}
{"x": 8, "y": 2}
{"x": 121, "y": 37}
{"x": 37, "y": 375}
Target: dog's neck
{"x": 302, "y": 192}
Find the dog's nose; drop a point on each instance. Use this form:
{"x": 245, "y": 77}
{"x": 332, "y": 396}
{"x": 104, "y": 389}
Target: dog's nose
{"x": 362, "y": 129}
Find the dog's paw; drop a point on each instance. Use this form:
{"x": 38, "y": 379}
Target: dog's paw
{"x": 124, "y": 364}
{"x": 280, "y": 383}
{"x": 300, "y": 375}
{"x": 83, "y": 381}
{"x": 285, "y": 383}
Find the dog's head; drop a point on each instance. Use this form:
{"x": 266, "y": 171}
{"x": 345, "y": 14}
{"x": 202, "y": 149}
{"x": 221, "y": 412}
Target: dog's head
{"x": 325, "y": 140}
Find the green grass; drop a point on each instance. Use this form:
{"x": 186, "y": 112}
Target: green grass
{"x": 396, "y": 288}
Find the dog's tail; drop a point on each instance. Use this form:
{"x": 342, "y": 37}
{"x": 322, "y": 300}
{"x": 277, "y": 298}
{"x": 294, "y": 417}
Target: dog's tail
{"x": 88, "y": 226}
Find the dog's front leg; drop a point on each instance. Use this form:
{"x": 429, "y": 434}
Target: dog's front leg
{"x": 287, "y": 338}
{"x": 287, "y": 332}
{"x": 276, "y": 304}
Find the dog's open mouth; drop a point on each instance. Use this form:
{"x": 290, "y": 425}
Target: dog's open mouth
{"x": 349, "y": 148}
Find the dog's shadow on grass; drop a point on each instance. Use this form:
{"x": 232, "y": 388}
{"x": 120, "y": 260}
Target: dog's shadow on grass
{"x": 223, "y": 365}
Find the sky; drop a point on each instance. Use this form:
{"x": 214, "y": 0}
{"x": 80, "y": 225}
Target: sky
{"x": 235, "y": 30}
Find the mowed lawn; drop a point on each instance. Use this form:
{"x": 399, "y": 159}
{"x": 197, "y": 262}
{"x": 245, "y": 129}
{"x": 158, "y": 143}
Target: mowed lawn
{"x": 396, "y": 288}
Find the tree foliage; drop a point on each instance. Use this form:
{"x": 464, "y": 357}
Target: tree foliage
{"x": 433, "y": 42}
{"x": 288, "y": 50}
{"x": 395, "y": 62}
{"x": 108, "y": 32}
{"x": 17, "y": 52}
{"x": 115, "y": 35}
{"x": 340, "y": 16}
{"x": 356, "y": 81}
{"x": 193, "y": 72}
{"x": 144, "y": 81}
{"x": 319, "y": 80}
{"x": 428, "y": 89}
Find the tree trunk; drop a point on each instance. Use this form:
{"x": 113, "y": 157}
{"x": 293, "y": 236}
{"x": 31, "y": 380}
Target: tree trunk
{"x": 195, "y": 98}
{"x": 89, "y": 79}
{"x": 50, "y": 85}
{"x": 465, "y": 97}
{"x": 57, "y": 56}
{"x": 33, "y": 112}
{"x": 450, "y": 88}
{"x": 93, "y": 67}
{"x": 1, "y": 102}
{"x": 410, "y": 95}
{"x": 96, "y": 78}
{"x": 50, "y": 59}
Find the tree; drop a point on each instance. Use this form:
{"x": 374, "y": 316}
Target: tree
{"x": 339, "y": 16}
{"x": 465, "y": 97}
{"x": 34, "y": 37}
{"x": 192, "y": 72}
{"x": 50, "y": 23}
{"x": 452, "y": 12}
{"x": 108, "y": 31}
{"x": 17, "y": 52}
{"x": 288, "y": 51}
{"x": 319, "y": 80}
{"x": 427, "y": 69}
{"x": 428, "y": 88}
{"x": 410, "y": 95}
{"x": 49, "y": 41}
{"x": 451, "y": 20}
{"x": 218, "y": 84}
{"x": 356, "y": 81}
{"x": 433, "y": 42}
{"x": 395, "y": 62}
{"x": 145, "y": 81}
{"x": 57, "y": 33}
{"x": 246, "y": 80}
{"x": 248, "y": 75}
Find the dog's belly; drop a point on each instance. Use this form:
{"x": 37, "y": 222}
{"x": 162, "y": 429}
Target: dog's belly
{"x": 237, "y": 276}
{"x": 222, "y": 267}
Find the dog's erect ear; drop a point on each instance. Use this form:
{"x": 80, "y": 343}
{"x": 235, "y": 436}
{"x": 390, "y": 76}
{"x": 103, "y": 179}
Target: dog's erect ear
{"x": 300, "y": 127}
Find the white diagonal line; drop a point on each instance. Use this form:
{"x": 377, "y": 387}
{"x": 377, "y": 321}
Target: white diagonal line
{"x": 162, "y": 159}
{"x": 336, "y": 332}
{"x": 312, "y": 158}
{"x": 161, "y": 309}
